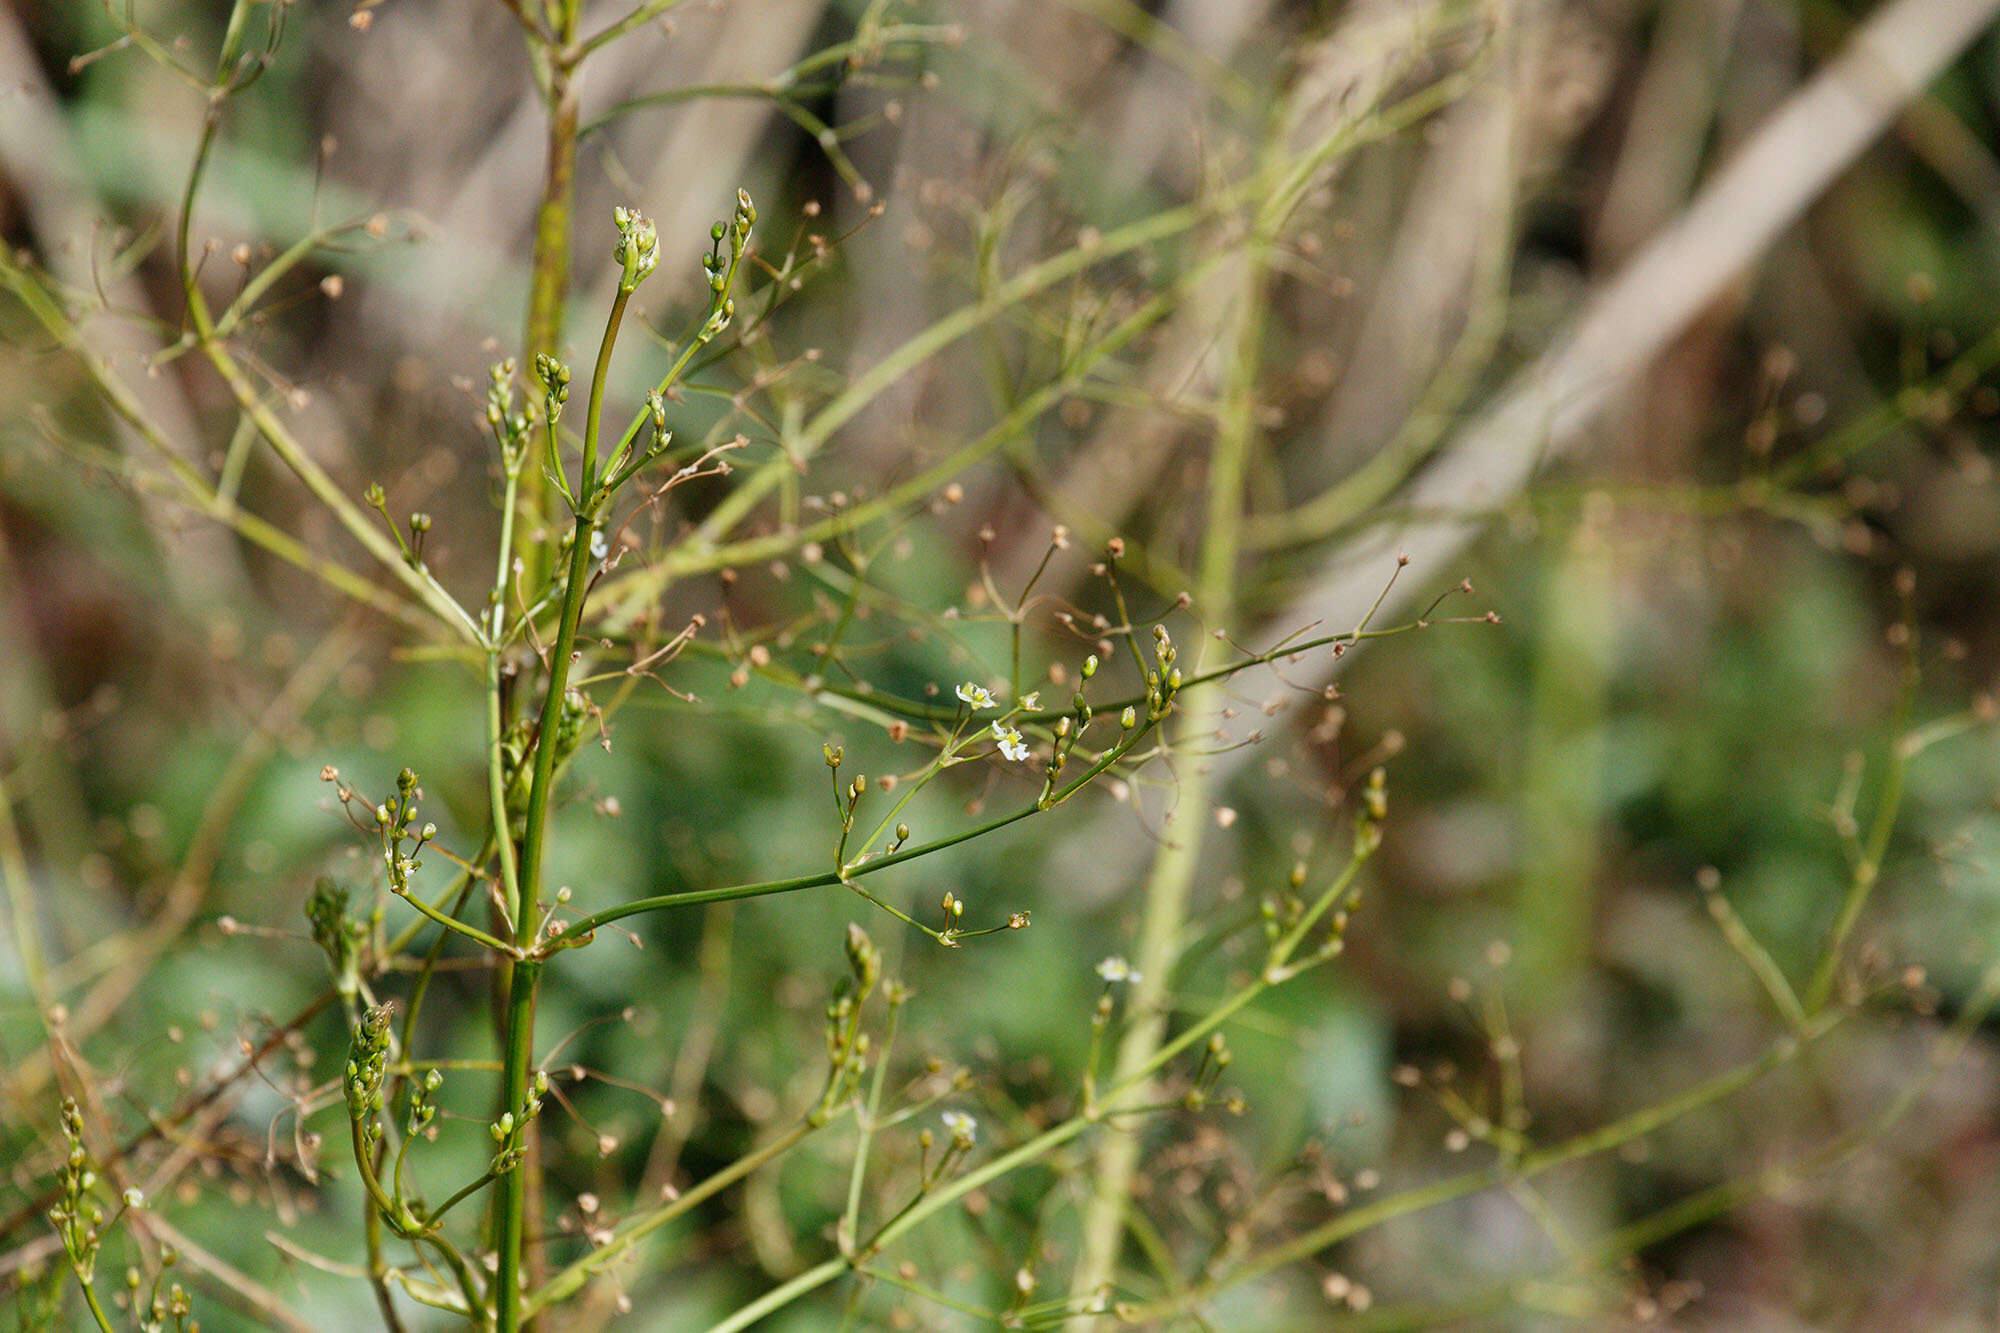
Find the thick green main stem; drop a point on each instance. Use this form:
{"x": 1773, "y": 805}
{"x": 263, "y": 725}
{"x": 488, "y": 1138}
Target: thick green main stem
{"x": 520, "y": 1040}
{"x": 520, "y": 1033}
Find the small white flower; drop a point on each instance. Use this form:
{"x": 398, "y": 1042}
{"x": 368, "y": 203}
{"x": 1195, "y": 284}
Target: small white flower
{"x": 962, "y": 1128}
{"x": 599, "y": 548}
{"x": 1032, "y": 701}
{"x": 1011, "y": 744}
{"x": 134, "y": 1198}
{"x": 976, "y": 695}
{"x": 1115, "y": 969}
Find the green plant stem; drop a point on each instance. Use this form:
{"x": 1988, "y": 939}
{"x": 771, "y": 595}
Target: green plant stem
{"x": 1867, "y": 869}
{"x": 555, "y": 51}
{"x": 920, "y": 711}
{"x": 378, "y": 1281}
{"x": 594, "y": 420}
{"x": 394, "y": 1213}
{"x": 21, "y": 908}
{"x": 90, "y": 1299}
{"x": 457, "y": 927}
{"x": 579, "y": 932}
{"x": 641, "y": 15}
{"x": 787, "y": 82}
{"x": 378, "y": 1265}
{"x": 779, "y": 1297}
{"x": 520, "y": 1009}
{"x": 496, "y": 726}
{"x": 511, "y": 1234}
{"x": 1756, "y": 958}
{"x": 869, "y": 1119}
{"x": 252, "y": 405}
{"x": 1168, "y": 886}
{"x": 462, "y": 1273}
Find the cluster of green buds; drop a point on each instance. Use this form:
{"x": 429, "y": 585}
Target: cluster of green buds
{"x": 863, "y": 959}
{"x": 511, "y": 427}
{"x": 364, "y": 1083}
{"x": 422, "y": 1110}
{"x": 1374, "y": 809}
{"x": 847, "y": 1046}
{"x": 571, "y": 722}
{"x": 846, "y": 797}
{"x": 552, "y": 374}
{"x": 1066, "y": 733}
{"x": 722, "y": 271}
{"x": 1201, "y": 1093}
{"x": 623, "y": 466}
{"x": 507, "y": 1130}
{"x": 638, "y": 248}
{"x": 1163, "y": 679}
{"x": 1281, "y": 911}
{"x": 367, "y": 1067}
{"x": 396, "y": 823}
{"x": 656, "y": 417}
{"x": 77, "y": 1215}
{"x": 340, "y": 936}
{"x": 1070, "y": 727}
{"x": 514, "y": 762}
{"x": 1289, "y": 916}
{"x": 846, "y": 802}
{"x": 419, "y": 525}
{"x": 157, "y": 1308}
{"x": 516, "y": 750}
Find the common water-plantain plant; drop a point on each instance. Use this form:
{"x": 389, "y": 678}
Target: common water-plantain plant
{"x": 667, "y": 532}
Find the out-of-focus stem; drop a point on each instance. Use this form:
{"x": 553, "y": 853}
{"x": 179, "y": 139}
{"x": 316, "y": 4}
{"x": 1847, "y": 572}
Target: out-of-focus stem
{"x": 1172, "y": 877}
{"x": 549, "y": 274}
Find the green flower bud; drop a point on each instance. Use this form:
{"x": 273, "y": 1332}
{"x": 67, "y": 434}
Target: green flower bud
{"x": 638, "y": 248}
{"x": 863, "y": 957}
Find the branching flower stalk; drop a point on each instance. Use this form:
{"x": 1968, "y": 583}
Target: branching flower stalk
{"x": 637, "y": 252}
{"x": 235, "y": 71}
{"x": 1316, "y": 935}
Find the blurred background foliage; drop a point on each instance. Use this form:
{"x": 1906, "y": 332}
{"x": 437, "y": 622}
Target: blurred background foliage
{"x": 1769, "y": 558}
